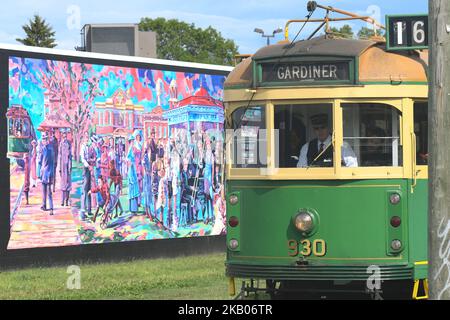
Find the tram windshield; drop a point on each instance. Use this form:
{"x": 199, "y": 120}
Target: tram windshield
{"x": 372, "y": 130}
{"x": 304, "y": 135}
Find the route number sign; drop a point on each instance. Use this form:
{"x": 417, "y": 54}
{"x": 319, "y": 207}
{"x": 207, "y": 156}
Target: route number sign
{"x": 407, "y": 32}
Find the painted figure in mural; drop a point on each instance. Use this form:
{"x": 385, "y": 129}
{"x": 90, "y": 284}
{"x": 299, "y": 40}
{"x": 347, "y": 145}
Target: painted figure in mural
{"x": 117, "y": 182}
{"x": 27, "y": 172}
{"x": 219, "y": 213}
{"x": 147, "y": 184}
{"x": 39, "y": 148}
{"x": 207, "y": 182}
{"x": 95, "y": 155}
{"x": 133, "y": 184}
{"x": 155, "y": 185}
{"x": 169, "y": 191}
{"x": 46, "y": 174}
{"x": 160, "y": 154}
{"x": 198, "y": 195}
{"x": 65, "y": 168}
{"x": 55, "y": 145}
{"x": 185, "y": 194}
{"x": 86, "y": 160}
{"x": 175, "y": 175}
{"x": 161, "y": 202}
{"x": 217, "y": 156}
{"x": 153, "y": 146}
{"x": 112, "y": 149}
{"x": 104, "y": 162}
{"x": 118, "y": 154}
{"x": 109, "y": 201}
{"x": 33, "y": 157}
{"x": 137, "y": 150}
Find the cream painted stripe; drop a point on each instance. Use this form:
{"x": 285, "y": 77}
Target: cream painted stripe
{"x": 350, "y": 92}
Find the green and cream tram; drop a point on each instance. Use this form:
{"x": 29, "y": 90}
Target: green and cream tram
{"x": 327, "y": 168}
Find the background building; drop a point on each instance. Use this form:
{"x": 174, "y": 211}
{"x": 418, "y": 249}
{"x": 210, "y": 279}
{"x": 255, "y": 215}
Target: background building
{"x": 121, "y": 39}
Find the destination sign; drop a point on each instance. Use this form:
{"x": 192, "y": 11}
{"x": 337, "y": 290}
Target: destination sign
{"x": 306, "y": 71}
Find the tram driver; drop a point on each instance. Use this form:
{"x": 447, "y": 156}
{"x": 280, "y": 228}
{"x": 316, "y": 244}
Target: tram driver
{"x": 319, "y": 151}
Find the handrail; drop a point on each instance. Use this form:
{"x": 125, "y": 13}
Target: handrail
{"x": 414, "y": 161}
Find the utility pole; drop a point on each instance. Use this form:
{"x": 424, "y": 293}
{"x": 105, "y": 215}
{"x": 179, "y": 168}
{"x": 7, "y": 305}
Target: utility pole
{"x": 439, "y": 148}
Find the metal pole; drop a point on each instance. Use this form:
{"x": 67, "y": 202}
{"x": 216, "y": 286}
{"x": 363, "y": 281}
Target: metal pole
{"x": 439, "y": 164}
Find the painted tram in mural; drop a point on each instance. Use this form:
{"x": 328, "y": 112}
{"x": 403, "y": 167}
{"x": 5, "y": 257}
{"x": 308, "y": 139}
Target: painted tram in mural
{"x": 112, "y": 150}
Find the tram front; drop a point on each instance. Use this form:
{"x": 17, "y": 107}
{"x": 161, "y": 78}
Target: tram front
{"x": 326, "y": 168}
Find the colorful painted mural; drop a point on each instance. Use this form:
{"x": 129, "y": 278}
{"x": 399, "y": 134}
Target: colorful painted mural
{"x": 105, "y": 153}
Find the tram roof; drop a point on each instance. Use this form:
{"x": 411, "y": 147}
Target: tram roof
{"x": 374, "y": 64}
{"x": 319, "y": 46}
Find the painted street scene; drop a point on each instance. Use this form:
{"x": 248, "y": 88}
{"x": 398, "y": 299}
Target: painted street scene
{"x": 105, "y": 154}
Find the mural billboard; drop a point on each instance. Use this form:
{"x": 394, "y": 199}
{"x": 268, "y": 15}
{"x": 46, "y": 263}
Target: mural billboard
{"x": 102, "y": 153}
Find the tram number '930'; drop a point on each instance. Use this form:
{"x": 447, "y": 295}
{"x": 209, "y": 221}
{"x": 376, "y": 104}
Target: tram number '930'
{"x": 316, "y": 247}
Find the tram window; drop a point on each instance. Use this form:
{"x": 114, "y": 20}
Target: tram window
{"x": 304, "y": 135}
{"x": 249, "y": 138}
{"x": 373, "y": 132}
{"x": 421, "y": 131}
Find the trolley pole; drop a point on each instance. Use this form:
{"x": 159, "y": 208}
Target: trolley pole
{"x": 439, "y": 149}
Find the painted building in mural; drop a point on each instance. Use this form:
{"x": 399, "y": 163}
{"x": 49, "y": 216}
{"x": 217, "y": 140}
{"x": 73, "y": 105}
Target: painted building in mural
{"x": 103, "y": 158}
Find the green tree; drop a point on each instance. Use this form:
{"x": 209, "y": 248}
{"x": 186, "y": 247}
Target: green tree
{"x": 367, "y": 33}
{"x": 38, "y": 33}
{"x": 345, "y": 31}
{"x": 177, "y": 40}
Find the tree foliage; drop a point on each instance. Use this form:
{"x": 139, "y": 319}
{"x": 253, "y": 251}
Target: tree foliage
{"x": 367, "y": 33}
{"x": 345, "y": 31}
{"x": 177, "y": 40}
{"x": 38, "y": 33}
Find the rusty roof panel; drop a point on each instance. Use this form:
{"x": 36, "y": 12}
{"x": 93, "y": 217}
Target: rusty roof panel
{"x": 377, "y": 65}
{"x": 316, "y": 47}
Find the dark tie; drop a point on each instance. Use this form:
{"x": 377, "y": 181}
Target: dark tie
{"x": 321, "y": 147}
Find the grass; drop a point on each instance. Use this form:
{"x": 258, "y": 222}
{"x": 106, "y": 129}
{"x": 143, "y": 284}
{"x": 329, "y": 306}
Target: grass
{"x": 195, "y": 277}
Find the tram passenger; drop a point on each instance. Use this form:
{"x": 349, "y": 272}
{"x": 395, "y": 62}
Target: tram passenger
{"x": 319, "y": 152}
{"x": 372, "y": 155}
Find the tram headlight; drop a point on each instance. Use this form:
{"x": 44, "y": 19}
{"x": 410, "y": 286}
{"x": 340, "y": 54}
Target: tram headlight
{"x": 304, "y": 222}
{"x": 233, "y": 244}
{"x": 396, "y": 245}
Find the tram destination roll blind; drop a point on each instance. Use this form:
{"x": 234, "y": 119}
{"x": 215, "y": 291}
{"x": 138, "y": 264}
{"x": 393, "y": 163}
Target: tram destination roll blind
{"x": 306, "y": 72}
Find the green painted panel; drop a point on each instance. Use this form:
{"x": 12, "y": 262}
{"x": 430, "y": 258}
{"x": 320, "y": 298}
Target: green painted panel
{"x": 418, "y": 226}
{"x": 354, "y": 221}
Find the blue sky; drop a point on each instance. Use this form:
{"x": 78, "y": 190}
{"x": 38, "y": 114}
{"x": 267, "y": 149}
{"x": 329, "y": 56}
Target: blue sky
{"x": 235, "y": 19}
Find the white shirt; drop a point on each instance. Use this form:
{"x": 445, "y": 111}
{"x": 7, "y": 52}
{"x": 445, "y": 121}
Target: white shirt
{"x": 348, "y": 156}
